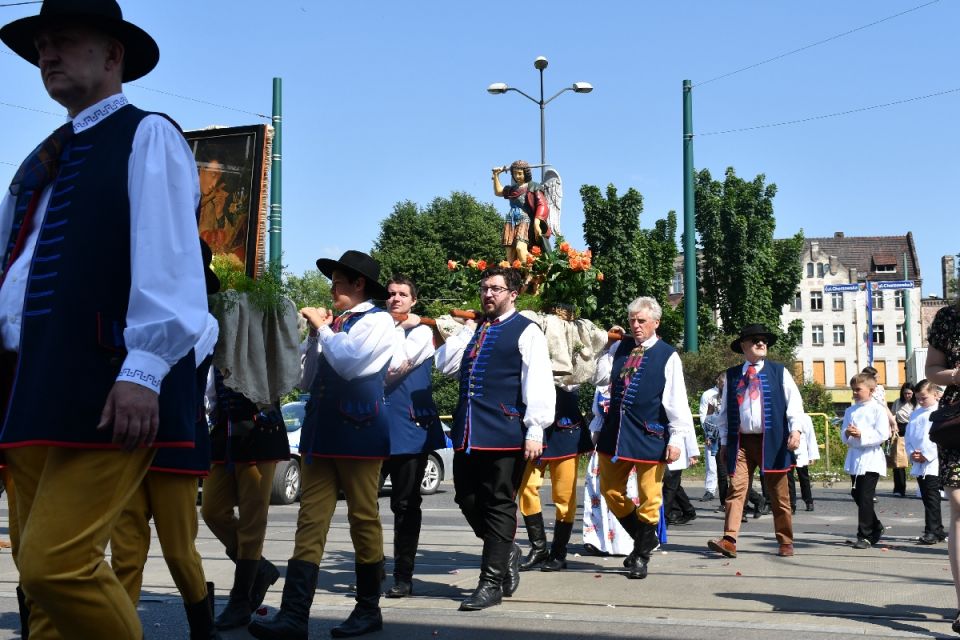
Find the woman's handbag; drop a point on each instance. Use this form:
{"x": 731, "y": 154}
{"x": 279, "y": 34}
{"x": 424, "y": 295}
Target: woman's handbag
{"x": 945, "y": 421}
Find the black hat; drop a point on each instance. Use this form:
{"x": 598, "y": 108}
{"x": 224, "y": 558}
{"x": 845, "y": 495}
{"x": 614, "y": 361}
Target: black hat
{"x": 360, "y": 264}
{"x": 753, "y": 330}
{"x": 141, "y": 52}
{"x": 213, "y": 282}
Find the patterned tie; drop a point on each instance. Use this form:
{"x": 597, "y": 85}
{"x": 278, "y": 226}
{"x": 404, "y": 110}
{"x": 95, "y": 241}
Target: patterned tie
{"x": 340, "y": 321}
{"x": 749, "y": 385}
{"x": 632, "y": 365}
{"x": 482, "y": 336}
{"x": 34, "y": 174}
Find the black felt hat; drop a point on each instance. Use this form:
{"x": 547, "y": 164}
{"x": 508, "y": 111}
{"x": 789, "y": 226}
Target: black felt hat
{"x": 753, "y": 330}
{"x": 360, "y": 264}
{"x": 141, "y": 52}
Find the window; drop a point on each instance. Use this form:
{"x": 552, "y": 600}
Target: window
{"x": 677, "y": 285}
{"x": 820, "y": 269}
{"x": 900, "y": 334}
{"x": 878, "y": 299}
{"x": 817, "y": 334}
{"x": 898, "y": 298}
{"x": 797, "y": 304}
{"x": 879, "y": 335}
{"x": 839, "y": 373}
{"x": 819, "y": 371}
{"x": 809, "y": 269}
{"x": 836, "y": 301}
{"x": 839, "y": 335}
{"x": 885, "y": 268}
{"x": 816, "y": 301}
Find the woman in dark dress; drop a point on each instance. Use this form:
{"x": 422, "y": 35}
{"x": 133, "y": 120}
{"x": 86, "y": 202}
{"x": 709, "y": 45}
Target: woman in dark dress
{"x": 943, "y": 368}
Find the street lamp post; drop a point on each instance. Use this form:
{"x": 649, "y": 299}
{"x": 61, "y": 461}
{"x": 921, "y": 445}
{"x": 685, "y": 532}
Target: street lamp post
{"x": 540, "y": 64}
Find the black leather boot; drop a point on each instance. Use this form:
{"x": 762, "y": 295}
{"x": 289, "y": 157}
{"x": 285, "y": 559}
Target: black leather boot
{"x": 511, "y": 581}
{"x": 365, "y": 617}
{"x": 267, "y": 575}
{"x": 237, "y": 612}
{"x": 538, "y": 542}
{"x": 558, "y": 550}
{"x": 404, "y": 554}
{"x": 200, "y": 617}
{"x": 630, "y": 524}
{"x": 643, "y": 545}
{"x": 292, "y": 621}
{"x": 493, "y": 569}
{"x": 24, "y": 614}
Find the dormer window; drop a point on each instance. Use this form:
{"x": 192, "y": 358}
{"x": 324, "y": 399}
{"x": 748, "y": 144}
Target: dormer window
{"x": 883, "y": 263}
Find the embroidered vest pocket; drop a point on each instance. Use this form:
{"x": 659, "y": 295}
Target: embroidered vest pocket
{"x": 510, "y": 410}
{"x": 654, "y": 429}
{"x": 567, "y": 423}
{"x": 361, "y": 414}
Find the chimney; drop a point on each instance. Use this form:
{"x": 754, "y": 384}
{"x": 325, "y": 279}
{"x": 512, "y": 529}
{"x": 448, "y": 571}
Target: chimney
{"x": 814, "y": 249}
{"x": 838, "y": 234}
{"x": 948, "y": 270}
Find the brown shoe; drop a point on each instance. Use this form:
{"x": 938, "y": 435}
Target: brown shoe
{"x": 786, "y": 551}
{"x": 724, "y": 547}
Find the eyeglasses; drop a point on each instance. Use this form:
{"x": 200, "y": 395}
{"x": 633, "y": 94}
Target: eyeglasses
{"x": 757, "y": 340}
{"x": 494, "y": 290}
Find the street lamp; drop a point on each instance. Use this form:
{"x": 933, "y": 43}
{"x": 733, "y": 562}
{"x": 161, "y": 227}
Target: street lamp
{"x": 498, "y": 88}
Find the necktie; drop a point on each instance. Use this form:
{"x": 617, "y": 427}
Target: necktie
{"x": 340, "y": 320}
{"x": 630, "y": 367}
{"x": 749, "y": 385}
{"x": 482, "y": 336}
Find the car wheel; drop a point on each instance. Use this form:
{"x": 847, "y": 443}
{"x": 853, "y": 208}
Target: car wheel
{"x": 286, "y": 483}
{"x": 432, "y": 476}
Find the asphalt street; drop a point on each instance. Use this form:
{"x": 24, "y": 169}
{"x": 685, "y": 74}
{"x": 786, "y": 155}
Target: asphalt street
{"x": 828, "y": 590}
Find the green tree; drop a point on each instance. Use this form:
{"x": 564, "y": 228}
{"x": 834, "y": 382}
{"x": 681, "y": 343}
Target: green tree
{"x": 634, "y": 261}
{"x": 745, "y": 274}
{"x": 417, "y": 242}
{"x": 312, "y": 289}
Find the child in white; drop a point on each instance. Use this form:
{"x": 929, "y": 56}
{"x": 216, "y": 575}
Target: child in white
{"x": 926, "y": 464}
{"x": 807, "y": 453}
{"x": 865, "y": 428}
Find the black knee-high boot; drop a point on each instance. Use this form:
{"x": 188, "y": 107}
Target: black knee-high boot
{"x": 365, "y": 617}
{"x": 558, "y": 550}
{"x": 538, "y": 542}
{"x": 237, "y": 612}
{"x": 493, "y": 569}
{"x": 292, "y": 621}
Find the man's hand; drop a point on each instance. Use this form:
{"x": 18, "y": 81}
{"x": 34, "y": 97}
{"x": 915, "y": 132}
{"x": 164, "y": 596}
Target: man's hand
{"x": 916, "y": 456}
{"x": 396, "y": 374}
{"x": 793, "y": 441}
{"x": 412, "y": 321}
{"x": 316, "y": 316}
{"x": 134, "y": 413}
{"x": 694, "y": 460}
{"x": 532, "y": 450}
{"x": 673, "y": 454}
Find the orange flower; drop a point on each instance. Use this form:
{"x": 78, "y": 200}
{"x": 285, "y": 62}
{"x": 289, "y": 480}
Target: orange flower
{"x": 451, "y": 265}
{"x": 575, "y": 263}
{"x": 472, "y": 263}
{"x": 516, "y": 264}
{"x": 535, "y": 250}
{"x": 504, "y": 264}
{"x": 588, "y": 253}
{"x": 599, "y": 276}
{"x": 482, "y": 265}
{"x": 530, "y": 259}
{"x": 565, "y": 247}
{"x": 585, "y": 260}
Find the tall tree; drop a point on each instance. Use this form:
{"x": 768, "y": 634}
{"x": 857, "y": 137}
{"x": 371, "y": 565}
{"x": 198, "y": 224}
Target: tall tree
{"x": 745, "y": 274}
{"x": 417, "y": 242}
{"x": 309, "y": 290}
{"x": 634, "y": 261}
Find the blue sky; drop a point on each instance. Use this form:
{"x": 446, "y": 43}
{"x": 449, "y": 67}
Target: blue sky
{"x": 386, "y": 101}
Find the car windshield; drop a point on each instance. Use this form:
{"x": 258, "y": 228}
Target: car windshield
{"x": 293, "y": 415}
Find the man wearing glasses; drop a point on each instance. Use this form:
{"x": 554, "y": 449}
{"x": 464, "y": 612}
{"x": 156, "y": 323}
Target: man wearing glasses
{"x": 761, "y": 408}
{"x": 506, "y": 401}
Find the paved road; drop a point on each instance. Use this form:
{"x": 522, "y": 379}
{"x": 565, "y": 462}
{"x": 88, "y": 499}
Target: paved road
{"x": 828, "y": 590}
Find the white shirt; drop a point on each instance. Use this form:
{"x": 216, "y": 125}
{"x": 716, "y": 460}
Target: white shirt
{"x": 710, "y": 398}
{"x": 809, "y": 449}
{"x": 689, "y": 451}
{"x": 917, "y": 438}
{"x": 415, "y": 348}
{"x": 751, "y": 411}
{"x": 363, "y": 351}
{"x": 536, "y": 373}
{"x": 674, "y": 399}
{"x": 167, "y": 309}
{"x": 864, "y": 454}
{"x": 208, "y": 340}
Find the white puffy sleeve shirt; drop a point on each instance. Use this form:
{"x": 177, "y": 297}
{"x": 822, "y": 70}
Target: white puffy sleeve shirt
{"x": 167, "y": 309}
{"x": 864, "y": 454}
{"x": 917, "y": 438}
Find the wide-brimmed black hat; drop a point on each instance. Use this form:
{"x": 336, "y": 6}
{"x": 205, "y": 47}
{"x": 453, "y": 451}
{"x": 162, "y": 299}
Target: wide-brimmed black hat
{"x": 360, "y": 264}
{"x": 213, "y": 282}
{"x": 753, "y": 330}
{"x": 141, "y": 52}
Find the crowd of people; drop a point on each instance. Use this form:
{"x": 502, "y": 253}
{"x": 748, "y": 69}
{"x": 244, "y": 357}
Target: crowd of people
{"x": 105, "y": 282}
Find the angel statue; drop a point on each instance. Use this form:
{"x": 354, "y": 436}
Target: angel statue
{"x": 534, "y": 214}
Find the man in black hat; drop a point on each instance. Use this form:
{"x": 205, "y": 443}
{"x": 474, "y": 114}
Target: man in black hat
{"x": 344, "y": 441}
{"x": 103, "y": 294}
{"x": 761, "y": 417}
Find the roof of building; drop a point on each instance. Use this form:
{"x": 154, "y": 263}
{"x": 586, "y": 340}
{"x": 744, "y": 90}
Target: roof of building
{"x": 866, "y": 253}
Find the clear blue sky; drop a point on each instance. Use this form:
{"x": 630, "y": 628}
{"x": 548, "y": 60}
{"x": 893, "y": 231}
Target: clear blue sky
{"x": 386, "y": 101}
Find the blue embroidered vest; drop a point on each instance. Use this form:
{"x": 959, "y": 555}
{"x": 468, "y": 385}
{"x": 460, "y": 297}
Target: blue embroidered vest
{"x": 414, "y": 420}
{"x": 776, "y": 457}
{"x": 76, "y": 304}
{"x": 490, "y": 411}
{"x": 635, "y": 428}
{"x": 346, "y": 418}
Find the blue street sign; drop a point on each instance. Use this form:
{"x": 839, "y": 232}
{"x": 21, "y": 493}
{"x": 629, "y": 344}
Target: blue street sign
{"x": 833, "y": 288}
{"x": 895, "y": 284}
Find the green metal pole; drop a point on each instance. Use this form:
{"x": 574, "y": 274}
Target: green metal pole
{"x": 276, "y": 176}
{"x": 690, "y": 338}
{"x": 907, "y": 295}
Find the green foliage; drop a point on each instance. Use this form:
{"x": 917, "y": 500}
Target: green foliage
{"x": 634, "y": 261}
{"x": 265, "y": 292}
{"x": 745, "y": 274}
{"x": 417, "y": 242}
{"x": 446, "y": 392}
{"x": 567, "y": 278}
{"x": 312, "y": 289}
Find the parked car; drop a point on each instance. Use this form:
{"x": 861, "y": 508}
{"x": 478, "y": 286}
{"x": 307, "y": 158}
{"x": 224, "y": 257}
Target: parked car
{"x": 286, "y": 480}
